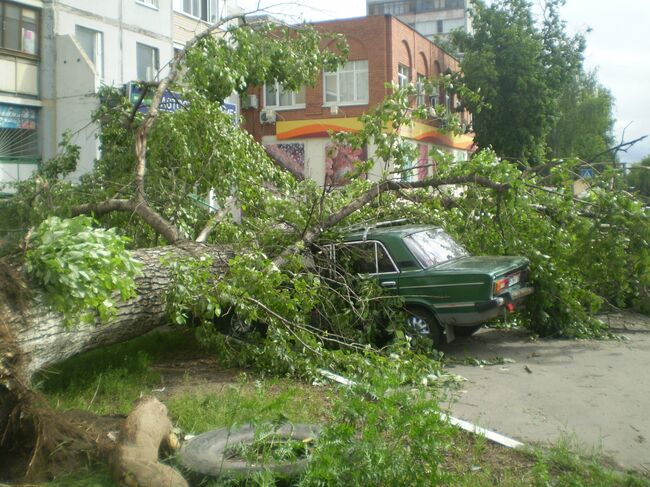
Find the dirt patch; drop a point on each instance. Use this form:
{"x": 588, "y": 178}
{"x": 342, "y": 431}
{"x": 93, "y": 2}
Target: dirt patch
{"x": 191, "y": 374}
{"x": 476, "y": 454}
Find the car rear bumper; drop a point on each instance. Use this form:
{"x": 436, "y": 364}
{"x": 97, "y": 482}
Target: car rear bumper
{"x": 485, "y": 310}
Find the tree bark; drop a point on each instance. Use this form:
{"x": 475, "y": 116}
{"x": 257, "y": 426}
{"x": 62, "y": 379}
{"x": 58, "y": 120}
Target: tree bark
{"x": 41, "y": 338}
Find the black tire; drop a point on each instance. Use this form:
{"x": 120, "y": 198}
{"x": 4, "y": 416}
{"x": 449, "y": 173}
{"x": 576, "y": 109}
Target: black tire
{"x": 466, "y": 331}
{"x": 205, "y": 454}
{"x": 231, "y": 323}
{"x": 422, "y": 322}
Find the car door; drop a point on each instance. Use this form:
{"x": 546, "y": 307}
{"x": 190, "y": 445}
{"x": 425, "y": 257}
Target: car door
{"x": 369, "y": 258}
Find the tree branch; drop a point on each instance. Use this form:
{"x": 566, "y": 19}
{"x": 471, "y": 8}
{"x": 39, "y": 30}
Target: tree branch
{"x": 214, "y": 221}
{"x": 623, "y": 147}
{"x": 138, "y": 203}
{"x": 104, "y": 207}
{"x": 383, "y": 186}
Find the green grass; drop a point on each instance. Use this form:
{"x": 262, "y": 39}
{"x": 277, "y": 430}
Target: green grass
{"x": 108, "y": 380}
{"x": 249, "y": 402}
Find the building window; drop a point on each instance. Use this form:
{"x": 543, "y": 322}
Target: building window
{"x": 421, "y": 94}
{"x": 18, "y": 135}
{"x": 275, "y": 96}
{"x": 19, "y": 28}
{"x": 440, "y": 27}
{"x": 92, "y": 42}
{"x": 348, "y": 85}
{"x": 148, "y": 3}
{"x": 205, "y": 10}
{"x": 403, "y": 76}
{"x": 148, "y": 62}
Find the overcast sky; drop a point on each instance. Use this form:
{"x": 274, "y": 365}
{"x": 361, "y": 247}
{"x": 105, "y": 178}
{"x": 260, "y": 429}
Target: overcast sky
{"x": 618, "y": 46}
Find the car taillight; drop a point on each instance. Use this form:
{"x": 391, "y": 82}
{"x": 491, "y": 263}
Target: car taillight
{"x": 500, "y": 285}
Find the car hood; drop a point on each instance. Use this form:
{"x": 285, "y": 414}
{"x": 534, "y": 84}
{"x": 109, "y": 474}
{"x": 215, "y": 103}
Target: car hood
{"x": 488, "y": 264}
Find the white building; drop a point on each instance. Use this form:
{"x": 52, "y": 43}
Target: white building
{"x": 56, "y": 54}
{"x": 431, "y": 18}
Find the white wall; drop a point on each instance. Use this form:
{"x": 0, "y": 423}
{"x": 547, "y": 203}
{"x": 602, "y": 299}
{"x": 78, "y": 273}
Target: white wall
{"x": 76, "y": 81}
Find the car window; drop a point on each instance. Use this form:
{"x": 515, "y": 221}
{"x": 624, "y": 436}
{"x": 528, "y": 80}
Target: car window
{"x": 364, "y": 258}
{"x": 433, "y": 247}
{"x": 383, "y": 260}
{"x": 357, "y": 257}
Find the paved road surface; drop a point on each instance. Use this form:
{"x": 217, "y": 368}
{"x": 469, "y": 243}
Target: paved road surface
{"x": 597, "y": 392}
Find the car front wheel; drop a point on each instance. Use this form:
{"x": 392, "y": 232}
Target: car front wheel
{"x": 422, "y": 323}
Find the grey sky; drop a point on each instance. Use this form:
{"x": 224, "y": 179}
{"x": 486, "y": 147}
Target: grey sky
{"x": 618, "y": 46}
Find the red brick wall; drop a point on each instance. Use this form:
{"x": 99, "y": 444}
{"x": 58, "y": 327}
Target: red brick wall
{"x": 385, "y": 42}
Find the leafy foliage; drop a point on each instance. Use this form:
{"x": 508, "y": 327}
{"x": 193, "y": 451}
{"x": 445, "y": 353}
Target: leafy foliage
{"x": 382, "y": 435}
{"x": 43, "y": 194}
{"x": 585, "y": 121}
{"x": 521, "y": 70}
{"x": 81, "y": 267}
{"x": 639, "y": 178}
{"x": 253, "y": 55}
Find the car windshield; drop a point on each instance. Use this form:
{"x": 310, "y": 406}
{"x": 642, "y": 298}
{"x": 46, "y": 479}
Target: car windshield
{"x": 433, "y": 247}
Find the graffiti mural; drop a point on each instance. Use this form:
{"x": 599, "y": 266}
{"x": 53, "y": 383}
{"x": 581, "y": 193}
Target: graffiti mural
{"x": 291, "y": 156}
{"x": 340, "y": 161}
{"x": 423, "y": 162}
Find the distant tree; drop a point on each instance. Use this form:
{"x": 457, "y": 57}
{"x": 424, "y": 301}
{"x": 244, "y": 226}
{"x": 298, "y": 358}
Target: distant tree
{"x": 584, "y": 127}
{"x": 639, "y": 177}
{"x": 521, "y": 70}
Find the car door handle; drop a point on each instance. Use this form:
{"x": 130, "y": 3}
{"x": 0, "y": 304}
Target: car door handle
{"x": 388, "y": 284}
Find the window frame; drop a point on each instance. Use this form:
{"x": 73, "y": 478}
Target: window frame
{"x": 278, "y": 90}
{"x": 334, "y": 247}
{"x": 404, "y": 75}
{"x": 421, "y": 95}
{"x": 24, "y": 133}
{"x": 211, "y": 14}
{"x": 154, "y": 4}
{"x": 156, "y": 59}
{"x": 356, "y": 100}
{"x": 99, "y": 47}
{"x": 21, "y": 28}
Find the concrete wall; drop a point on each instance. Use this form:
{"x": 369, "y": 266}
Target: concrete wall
{"x": 76, "y": 82}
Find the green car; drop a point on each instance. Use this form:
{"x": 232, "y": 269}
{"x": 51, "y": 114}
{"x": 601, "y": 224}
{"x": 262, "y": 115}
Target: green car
{"x": 447, "y": 292}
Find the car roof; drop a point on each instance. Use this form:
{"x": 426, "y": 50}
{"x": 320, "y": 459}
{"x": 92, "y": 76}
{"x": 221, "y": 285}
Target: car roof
{"x": 381, "y": 231}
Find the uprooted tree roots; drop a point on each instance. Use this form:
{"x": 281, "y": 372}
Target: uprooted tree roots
{"x": 38, "y": 443}
{"x": 32, "y": 436}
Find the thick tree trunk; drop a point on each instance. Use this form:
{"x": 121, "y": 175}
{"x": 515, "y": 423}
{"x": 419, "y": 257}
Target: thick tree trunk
{"x": 41, "y": 338}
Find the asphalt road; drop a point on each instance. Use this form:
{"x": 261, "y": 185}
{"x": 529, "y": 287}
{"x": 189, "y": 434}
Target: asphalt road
{"x": 594, "y": 393}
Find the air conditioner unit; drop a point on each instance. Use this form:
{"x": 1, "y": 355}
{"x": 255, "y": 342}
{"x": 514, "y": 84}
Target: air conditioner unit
{"x": 267, "y": 116}
{"x": 250, "y": 101}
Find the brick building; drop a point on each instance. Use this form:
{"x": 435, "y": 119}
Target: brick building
{"x": 294, "y": 125}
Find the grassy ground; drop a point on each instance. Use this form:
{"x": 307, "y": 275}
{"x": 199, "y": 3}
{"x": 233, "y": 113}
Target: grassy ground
{"x": 200, "y": 395}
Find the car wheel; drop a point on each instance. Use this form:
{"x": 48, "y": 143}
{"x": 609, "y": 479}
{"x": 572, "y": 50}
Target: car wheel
{"x": 238, "y": 326}
{"x": 208, "y": 453}
{"x": 423, "y": 323}
{"x": 466, "y": 331}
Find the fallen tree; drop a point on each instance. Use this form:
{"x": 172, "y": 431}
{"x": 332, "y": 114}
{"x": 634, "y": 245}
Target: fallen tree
{"x": 154, "y": 165}
{"x": 43, "y": 338}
